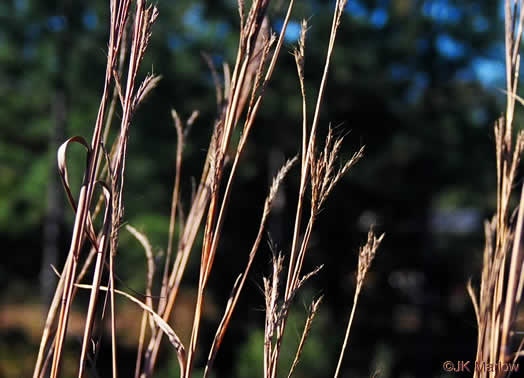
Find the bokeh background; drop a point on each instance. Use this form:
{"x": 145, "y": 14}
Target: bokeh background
{"x": 416, "y": 81}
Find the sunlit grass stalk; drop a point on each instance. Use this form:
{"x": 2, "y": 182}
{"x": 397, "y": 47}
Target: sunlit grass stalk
{"x": 365, "y": 258}
{"x": 118, "y": 20}
{"x": 246, "y": 77}
{"x": 502, "y": 276}
{"x": 239, "y": 284}
{"x": 318, "y": 171}
{"x": 144, "y": 17}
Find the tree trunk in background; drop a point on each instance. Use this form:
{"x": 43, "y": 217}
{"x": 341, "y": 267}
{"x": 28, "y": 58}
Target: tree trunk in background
{"x": 55, "y": 206}
{"x": 54, "y": 217}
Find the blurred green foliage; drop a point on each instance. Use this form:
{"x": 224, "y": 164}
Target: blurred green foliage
{"x": 315, "y": 360}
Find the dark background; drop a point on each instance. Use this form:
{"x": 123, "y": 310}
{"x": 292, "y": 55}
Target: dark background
{"x": 415, "y": 81}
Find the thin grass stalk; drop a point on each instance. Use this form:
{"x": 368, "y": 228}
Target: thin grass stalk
{"x": 107, "y": 127}
{"x": 239, "y": 284}
{"x": 53, "y": 308}
{"x": 117, "y": 179}
{"x": 174, "y": 203}
{"x": 251, "y": 115}
{"x": 141, "y": 340}
{"x": 521, "y": 279}
{"x": 271, "y": 288}
{"x": 501, "y": 283}
{"x": 97, "y": 277}
{"x": 214, "y": 222}
{"x": 365, "y": 258}
{"x": 302, "y": 251}
{"x": 188, "y": 236}
{"x": 149, "y": 295}
{"x": 277, "y": 315}
{"x": 78, "y": 234}
{"x": 172, "y": 336}
{"x": 85, "y": 194}
{"x": 227, "y": 193}
{"x": 297, "y": 256}
{"x": 47, "y": 360}
{"x": 216, "y": 81}
{"x": 193, "y": 222}
{"x": 145, "y": 16}
{"x": 42, "y": 365}
{"x": 118, "y": 20}
{"x": 337, "y": 14}
{"x": 513, "y": 283}
{"x": 299, "y": 54}
{"x": 346, "y": 337}
{"x": 473, "y": 296}
{"x": 113, "y": 314}
{"x": 307, "y": 327}
{"x": 185, "y": 244}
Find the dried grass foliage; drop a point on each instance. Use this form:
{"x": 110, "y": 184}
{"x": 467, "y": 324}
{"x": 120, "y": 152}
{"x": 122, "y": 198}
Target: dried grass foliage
{"x": 497, "y": 303}
{"x": 365, "y": 258}
{"x": 239, "y": 97}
